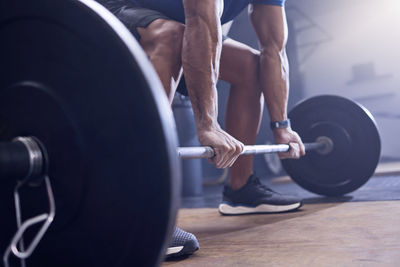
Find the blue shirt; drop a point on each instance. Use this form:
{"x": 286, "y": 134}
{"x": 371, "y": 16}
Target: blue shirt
{"x": 174, "y": 8}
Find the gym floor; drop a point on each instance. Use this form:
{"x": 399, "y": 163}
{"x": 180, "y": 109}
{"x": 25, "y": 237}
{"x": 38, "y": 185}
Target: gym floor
{"x": 359, "y": 229}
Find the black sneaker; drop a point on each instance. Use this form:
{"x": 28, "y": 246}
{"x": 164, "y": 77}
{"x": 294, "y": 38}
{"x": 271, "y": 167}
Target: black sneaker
{"x": 254, "y": 197}
{"x": 183, "y": 244}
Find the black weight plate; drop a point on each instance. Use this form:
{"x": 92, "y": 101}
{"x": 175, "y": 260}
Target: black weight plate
{"x": 75, "y": 78}
{"x": 356, "y": 149}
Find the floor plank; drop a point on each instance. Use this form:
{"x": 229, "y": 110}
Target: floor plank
{"x": 331, "y": 234}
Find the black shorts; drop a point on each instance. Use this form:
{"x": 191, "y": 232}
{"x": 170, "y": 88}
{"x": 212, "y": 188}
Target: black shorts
{"x": 132, "y": 16}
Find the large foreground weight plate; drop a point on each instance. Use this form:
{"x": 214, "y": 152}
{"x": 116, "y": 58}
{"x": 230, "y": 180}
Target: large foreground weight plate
{"x": 356, "y": 145}
{"x": 75, "y": 78}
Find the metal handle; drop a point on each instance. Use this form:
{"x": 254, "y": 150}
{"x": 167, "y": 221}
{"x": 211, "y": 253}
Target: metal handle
{"x": 208, "y": 152}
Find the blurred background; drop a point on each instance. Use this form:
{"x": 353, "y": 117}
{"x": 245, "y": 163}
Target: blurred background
{"x": 347, "y": 48}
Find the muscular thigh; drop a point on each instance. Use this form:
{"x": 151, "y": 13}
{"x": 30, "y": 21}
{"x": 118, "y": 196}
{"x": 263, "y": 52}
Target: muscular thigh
{"x": 160, "y": 37}
{"x": 239, "y": 63}
{"x": 161, "y": 32}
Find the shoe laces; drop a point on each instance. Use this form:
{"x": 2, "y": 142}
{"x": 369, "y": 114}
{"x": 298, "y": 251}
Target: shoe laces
{"x": 256, "y": 181}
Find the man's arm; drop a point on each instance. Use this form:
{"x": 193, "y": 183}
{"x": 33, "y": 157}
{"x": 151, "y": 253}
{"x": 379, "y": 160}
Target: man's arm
{"x": 269, "y": 22}
{"x": 201, "y": 53}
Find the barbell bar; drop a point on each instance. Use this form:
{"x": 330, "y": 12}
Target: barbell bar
{"x": 208, "y": 152}
{"x": 23, "y": 158}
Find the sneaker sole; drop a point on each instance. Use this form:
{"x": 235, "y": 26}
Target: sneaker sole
{"x": 189, "y": 248}
{"x": 174, "y": 250}
{"x": 226, "y": 209}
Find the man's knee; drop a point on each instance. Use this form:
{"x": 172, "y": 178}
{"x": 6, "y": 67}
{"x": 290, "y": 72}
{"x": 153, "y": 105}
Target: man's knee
{"x": 166, "y": 35}
{"x": 251, "y": 69}
{"x": 171, "y": 33}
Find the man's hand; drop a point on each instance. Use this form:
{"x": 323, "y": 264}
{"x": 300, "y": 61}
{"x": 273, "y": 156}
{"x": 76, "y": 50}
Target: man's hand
{"x": 227, "y": 149}
{"x": 290, "y": 137}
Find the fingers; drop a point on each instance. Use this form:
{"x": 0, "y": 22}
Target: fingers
{"x": 302, "y": 149}
{"x": 226, "y": 155}
{"x": 294, "y": 152}
{"x": 237, "y": 148}
{"x": 221, "y": 156}
{"x": 227, "y": 151}
{"x": 296, "y": 146}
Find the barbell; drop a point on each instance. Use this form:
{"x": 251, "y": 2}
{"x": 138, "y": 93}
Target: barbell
{"x": 342, "y": 143}
{"x": 83, "y": 123}
{"x": 208, "y": 152}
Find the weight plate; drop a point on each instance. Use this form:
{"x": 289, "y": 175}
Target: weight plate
{"x": 74, "y": 77}
{"x": 356, "y": 149}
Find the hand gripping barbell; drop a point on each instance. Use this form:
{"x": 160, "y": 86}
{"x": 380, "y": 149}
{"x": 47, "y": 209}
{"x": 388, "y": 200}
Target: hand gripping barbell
{"x": 323, "y": 145}
{"x": 342, "y": 141}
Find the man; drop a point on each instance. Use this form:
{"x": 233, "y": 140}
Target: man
{"x": 184, "y": 37}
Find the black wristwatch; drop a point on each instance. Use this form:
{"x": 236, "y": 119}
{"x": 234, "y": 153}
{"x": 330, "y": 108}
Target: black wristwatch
{"x": 280, "y": 124}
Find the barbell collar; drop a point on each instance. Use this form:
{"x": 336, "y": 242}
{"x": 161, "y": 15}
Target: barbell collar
{"x": 21, "y": 159}
{"x": 208, "y": 152}
{"x": 320, "y": 145}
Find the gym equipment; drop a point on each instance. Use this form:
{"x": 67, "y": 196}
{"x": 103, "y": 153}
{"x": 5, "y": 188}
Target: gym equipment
{"x": 83, "y": 122}
{"x": 208, "y": 152}
{"x": 354, "y": 155}
{"x": 74, "y": 78}
{"x": 342, "y": 141}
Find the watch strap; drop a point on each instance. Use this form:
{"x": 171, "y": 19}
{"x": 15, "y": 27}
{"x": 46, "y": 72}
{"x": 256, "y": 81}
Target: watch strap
{"x": 280, "y": 124}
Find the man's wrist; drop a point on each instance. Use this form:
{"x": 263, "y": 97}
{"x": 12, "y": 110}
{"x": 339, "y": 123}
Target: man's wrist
{"x": 283, "y": 124}
{"x": 206, "y": 126}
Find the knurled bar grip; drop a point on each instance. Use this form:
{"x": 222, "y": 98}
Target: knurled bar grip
{"x": 208, "y": 152}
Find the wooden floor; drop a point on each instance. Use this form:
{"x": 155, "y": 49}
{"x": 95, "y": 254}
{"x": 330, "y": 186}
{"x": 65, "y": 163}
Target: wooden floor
{"x": 334, "y": 234}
